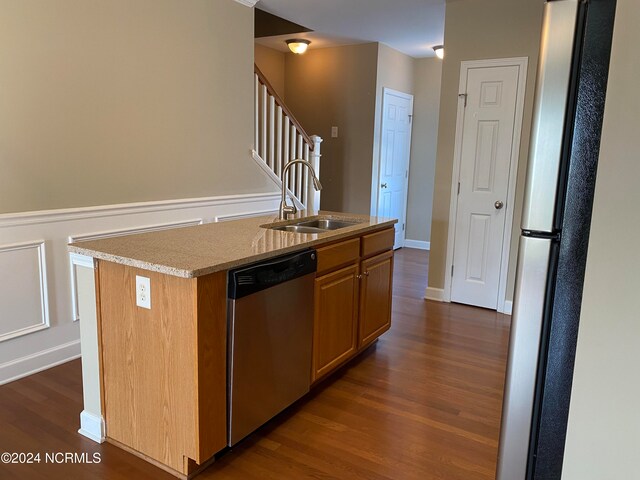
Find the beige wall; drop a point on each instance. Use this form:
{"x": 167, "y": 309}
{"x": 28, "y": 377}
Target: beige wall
{"x": 475, "y": 30}
{"x": 343, "y": 87}
{"x": 337, "y": 87}
{"x": 603, "y": 437}
{"x": 426, "y": 107}
{"x": 271, "y": 64}
{"x": 115, "y": 101}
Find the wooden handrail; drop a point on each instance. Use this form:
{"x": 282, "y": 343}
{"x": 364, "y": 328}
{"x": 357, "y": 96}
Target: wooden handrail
{"x": 285, "y": 109}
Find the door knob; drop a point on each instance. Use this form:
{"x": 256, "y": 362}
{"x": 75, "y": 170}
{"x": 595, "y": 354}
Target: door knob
{"x": 498, "y": 204}
{"x": 384, "y": 185}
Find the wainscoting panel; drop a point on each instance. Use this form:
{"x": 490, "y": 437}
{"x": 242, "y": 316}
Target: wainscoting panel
{"x": 24, "y": 303}
{"x": 38, "y": 309}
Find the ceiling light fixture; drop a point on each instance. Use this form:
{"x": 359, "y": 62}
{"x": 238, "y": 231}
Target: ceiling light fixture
{"x": 298, "y": 45}
{"x": 439, "y": 49}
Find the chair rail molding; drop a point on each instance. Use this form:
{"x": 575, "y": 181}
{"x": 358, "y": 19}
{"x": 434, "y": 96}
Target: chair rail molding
{"x": 41, "y": 310}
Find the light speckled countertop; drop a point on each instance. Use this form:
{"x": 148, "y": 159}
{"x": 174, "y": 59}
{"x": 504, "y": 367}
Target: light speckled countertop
{"x": 195, "y": 251}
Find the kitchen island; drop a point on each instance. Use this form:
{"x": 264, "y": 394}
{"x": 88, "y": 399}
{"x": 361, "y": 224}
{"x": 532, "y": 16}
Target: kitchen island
{"x": 154, "y": 324}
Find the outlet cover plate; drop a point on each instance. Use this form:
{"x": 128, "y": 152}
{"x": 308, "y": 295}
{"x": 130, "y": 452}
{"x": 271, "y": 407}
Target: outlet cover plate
{"x": 143, "y": 292}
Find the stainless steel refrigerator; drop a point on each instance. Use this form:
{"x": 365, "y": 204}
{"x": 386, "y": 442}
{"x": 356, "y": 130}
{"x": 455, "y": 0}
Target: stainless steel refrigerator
{"x": 563, "y": 159}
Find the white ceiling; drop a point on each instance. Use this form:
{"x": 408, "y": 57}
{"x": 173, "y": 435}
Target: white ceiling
{"x": 410, "y": 26}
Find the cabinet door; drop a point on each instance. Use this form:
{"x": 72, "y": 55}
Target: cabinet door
{"x": 335, "y": 334}
{"x": 375, "y": 297}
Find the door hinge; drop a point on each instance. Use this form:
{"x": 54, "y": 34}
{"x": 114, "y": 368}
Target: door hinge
{"x": 463, "y": 95}
{"x": 410, "y": 118}
{"x": 452, "y": 270}
{"x": 403, "y": 227}
{"x": 458, "y": 188}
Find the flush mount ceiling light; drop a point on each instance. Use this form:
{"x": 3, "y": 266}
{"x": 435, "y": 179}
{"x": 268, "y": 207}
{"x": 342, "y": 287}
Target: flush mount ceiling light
{"x": 439, "y": 49}
{"x": 298, "y": 45}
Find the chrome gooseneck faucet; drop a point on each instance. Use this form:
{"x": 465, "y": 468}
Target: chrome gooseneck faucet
{"x": 285, "y": 209}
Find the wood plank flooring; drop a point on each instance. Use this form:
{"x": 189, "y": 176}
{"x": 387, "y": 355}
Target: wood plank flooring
{"x": 423, "y": 403}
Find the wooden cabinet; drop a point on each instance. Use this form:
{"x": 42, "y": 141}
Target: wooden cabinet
{"x": 352, "y": 302}
{"x": 375, "y": 297}
{"x": 163, "y": 382}
{"x": 335, "y": 331}
{"x": 164, "y": 370}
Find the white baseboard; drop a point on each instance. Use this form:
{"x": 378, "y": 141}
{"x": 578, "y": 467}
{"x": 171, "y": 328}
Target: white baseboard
{"x": 419, "y": 244}
{"x": 36, "y": 362}
{"x": 508, "y": 307}
{"x": 435, "y": 294}
{"x": 92, "y": 426}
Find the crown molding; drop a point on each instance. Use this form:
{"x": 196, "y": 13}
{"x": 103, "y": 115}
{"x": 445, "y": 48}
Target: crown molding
{"x": 248, "y": 3}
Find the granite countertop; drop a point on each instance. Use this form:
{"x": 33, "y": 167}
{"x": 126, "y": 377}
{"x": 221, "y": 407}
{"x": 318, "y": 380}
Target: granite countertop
{"x": 190, "y": 252}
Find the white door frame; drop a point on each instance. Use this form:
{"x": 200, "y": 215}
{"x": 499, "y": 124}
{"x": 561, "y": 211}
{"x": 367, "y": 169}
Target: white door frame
{"x": 375, "y": 181}
{"x": 522, "y": 63}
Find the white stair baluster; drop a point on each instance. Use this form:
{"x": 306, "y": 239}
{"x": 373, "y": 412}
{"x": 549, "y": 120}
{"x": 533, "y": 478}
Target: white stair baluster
{"x": 272, "y": 123}
{"x": 285, "y": 156}
{"x": 305, "y": 179}
{"x": 292, "y": 177}
{"x": 257, "y": 112}
{"x": 263, "y": 129}
{"x": 300, "y": 171}
{"x": 278, "y": 168}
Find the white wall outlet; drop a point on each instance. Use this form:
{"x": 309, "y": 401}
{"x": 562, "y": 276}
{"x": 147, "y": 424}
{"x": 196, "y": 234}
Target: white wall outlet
{"x": 143, "y": 292}
{"x": 334, "y": 132}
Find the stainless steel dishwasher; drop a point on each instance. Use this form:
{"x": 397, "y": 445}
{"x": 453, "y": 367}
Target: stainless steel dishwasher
{"x": 270, "y": 338}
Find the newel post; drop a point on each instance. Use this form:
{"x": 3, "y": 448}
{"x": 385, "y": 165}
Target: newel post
{"x": 313, "y": 196}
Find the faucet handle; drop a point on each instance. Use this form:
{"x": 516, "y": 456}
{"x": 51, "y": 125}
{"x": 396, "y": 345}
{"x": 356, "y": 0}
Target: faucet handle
{"x": 286, "y": 210}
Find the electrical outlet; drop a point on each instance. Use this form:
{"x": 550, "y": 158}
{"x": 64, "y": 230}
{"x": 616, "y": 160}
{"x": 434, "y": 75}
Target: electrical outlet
{"x": 143, "y": 292}
{"x": 334, "y": 132}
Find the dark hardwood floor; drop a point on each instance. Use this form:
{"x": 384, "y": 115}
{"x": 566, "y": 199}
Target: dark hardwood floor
{"x": 423, "y": 403}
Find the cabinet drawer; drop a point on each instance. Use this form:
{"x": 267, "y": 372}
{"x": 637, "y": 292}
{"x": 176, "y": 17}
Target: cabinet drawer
{"x": 378, "y": 242}
{"x": 338, "y": 255}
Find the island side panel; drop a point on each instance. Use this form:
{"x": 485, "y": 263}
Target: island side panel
{"x": 149, "y": 364}
{"x": 212, "y": 365}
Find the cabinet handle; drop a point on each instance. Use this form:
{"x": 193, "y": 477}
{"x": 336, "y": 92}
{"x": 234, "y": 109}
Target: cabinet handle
{"x": 366, "y": 274}
{"x": 359, "y": 277}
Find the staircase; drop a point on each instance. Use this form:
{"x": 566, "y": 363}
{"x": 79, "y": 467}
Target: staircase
{"x": 279, "y": 138}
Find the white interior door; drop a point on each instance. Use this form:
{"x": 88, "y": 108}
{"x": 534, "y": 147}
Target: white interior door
{"x": 395, "y": 143}
{"x": 487, "y": 148}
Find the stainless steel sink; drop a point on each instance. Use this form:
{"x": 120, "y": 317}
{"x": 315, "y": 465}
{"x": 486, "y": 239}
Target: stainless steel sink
{"x": 299, "y": 229}
{"x": 317, "y": 225}
{"x": 326, "y": 224}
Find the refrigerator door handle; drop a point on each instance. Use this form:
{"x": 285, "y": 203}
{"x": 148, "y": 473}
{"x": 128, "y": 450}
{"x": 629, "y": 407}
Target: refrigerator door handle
{"x": 524, "y": 345}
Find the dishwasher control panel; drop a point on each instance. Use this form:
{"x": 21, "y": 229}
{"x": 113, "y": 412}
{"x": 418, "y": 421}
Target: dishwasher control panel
{"x": 259, "y": 276}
